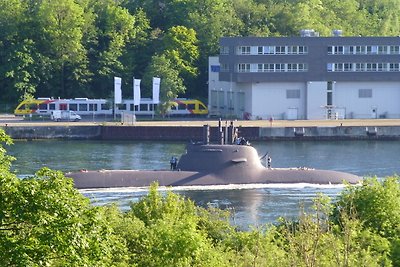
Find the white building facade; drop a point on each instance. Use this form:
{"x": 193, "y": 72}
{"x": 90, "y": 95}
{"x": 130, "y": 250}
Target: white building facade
{"x": 306, "y": 78}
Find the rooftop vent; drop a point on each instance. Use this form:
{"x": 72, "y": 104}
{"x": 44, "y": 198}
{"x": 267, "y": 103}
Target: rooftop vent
{"x": 308, "y": 33}
{"x": 337, "y": 33}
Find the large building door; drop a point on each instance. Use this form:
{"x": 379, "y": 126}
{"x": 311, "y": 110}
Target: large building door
{"x": 292, "y": 114}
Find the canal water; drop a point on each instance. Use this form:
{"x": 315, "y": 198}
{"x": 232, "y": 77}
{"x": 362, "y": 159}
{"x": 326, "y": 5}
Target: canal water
{"x": 252, "y": 205}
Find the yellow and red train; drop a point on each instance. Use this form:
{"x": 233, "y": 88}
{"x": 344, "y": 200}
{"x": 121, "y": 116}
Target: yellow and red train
{"x": 86, "y": 106}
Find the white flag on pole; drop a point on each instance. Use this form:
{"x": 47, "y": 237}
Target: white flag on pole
{"x": 136, "y": 92}
{"x": 117, "y": 90}
{"x": 156, "y": 90}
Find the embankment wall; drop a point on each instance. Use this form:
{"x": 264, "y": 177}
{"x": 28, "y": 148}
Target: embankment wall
{"x": 185, "y": 133}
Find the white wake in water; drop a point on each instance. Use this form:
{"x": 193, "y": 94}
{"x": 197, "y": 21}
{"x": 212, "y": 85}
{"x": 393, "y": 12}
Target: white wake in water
{"x": 214, "y": 187}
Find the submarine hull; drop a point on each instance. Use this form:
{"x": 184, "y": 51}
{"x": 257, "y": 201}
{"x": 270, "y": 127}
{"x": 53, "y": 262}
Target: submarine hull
{"x": 136, "y": 178}
{"x": 211, "y": 165}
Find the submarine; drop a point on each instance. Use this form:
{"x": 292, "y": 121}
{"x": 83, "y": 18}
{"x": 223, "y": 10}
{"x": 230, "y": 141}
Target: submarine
{"x": 231, "y": 161}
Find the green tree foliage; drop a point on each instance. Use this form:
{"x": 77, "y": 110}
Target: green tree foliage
{"x": 180, "y": 46}
{"x": 45, "y": 221}
{"x": 171, "y": 82}
{"x": 376, "y": 205}
{"x": 17, "y": 52}
{"x": 74, "y": 48}
{"x": 254, "y": 18}
{"x": 168, "y": 234}
{"x": 114, "y": 27}
{"x": 59, "y": 38}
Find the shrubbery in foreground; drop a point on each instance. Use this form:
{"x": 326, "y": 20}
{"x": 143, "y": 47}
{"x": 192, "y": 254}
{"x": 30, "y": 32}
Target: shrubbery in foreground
{"x": 44, "y": 221}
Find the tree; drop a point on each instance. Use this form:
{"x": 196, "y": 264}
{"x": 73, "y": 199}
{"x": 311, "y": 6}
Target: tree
{"x": 17, "y": 76}
{"x": 59, "y": 37}
{"x": 171, "y": 83}
{"x": 167, "y": 233}
{"x": 253, "y": 17}
{"x": 45, "y": 221}
{"x": 114, "y": 28}
{"x": 180, "y": 47}
{"x": 377, "y": 206}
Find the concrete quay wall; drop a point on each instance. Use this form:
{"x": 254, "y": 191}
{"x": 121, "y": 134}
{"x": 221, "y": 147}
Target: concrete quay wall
{"x": 331, "y": 133}
{"x": 53, "y": 132}
{"x": 196, "y": 133}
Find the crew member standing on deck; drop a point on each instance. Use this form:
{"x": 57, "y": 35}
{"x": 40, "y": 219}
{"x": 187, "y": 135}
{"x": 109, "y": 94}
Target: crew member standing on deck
{"x": 269, "y": 160}
{"x": 172, "y": 161}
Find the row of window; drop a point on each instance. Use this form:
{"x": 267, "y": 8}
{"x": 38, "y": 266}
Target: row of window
{"x": 300, "y": 50}
{"x": 270, "y": 50}
{"x": 364, "y": 50}
{"x": 95, "y": 107}
{"x": 361, "y": 67}
{"x": 75, "y": 107}
{"x": 218, "y": 100}
{"x": 272, "y": 67}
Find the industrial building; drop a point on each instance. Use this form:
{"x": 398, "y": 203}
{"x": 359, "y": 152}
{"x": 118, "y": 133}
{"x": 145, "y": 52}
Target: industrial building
{"x": 306, "y": 77}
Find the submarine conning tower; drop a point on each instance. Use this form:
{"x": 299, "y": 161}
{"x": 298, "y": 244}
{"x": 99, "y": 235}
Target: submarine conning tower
{"x": 227, "y": 156}
{"x": 215, "y": 158}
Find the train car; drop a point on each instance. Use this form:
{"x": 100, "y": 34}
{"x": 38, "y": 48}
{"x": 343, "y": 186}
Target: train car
{"x": 189, "y": 107}
{"x": 44, "y": 106}
{"x": 86, "y": 106}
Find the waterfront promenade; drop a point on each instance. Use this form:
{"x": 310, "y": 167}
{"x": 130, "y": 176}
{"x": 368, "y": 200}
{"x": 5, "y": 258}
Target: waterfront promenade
{"x": 11, "y": 120}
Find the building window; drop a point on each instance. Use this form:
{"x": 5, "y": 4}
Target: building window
{"x": 231, "y": 101}
{"x": 224, "y": 50}
{"x": 394, "y": 49}
{"x": 244, "y": 50}
{"x": 347, "y": 67}
{"x": 224, "y": 67}
{"x": 272, "y": 67}
{"x": 292, "y": 93}
{"x": 302, "y": 67}
{"x": 291, "y": 67}
{"x": 279, "y": 50}
{"x": 364, "y": 93}
{"x": 240, "y": 101}
{"x": 329, "y": 93}
{"x": 360, "y": 67}
{"x": 244, "y": 67}
{"x": 293, "y": 49}
{"x": 338, "y": 49}
{"x": 383, "y": 50}
{"x": 221, "y": 100}
{"x": 269, "y": 67}
{"x": 279, "y": 67}
{"x": 381, "y": 66}
{"x": 303, "y": 50}
{"x": 339, "y": 67}
{"x": 394, "y": 67}
{"x": 360, "y": 49}
{"x": 371, "y": 66}
{"x": 260, "y": 50}
{"x": 269, "y": 50}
